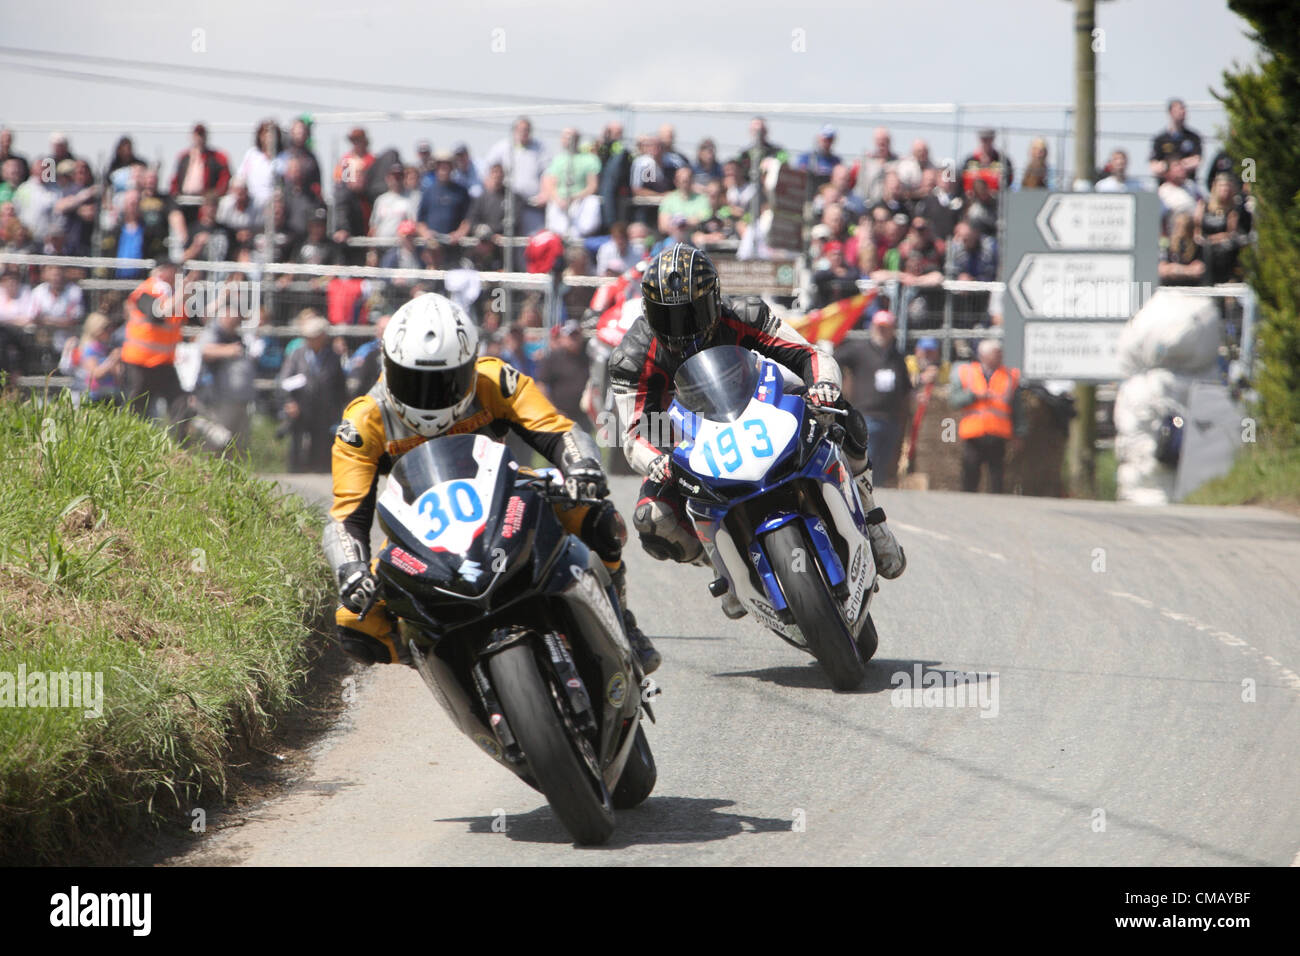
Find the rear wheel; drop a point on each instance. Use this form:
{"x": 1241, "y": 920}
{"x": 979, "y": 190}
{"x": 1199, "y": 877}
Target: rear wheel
{"x": 555, "y": 754}
{"x": 639, "y": 775}
{"x": 803, "y": 583}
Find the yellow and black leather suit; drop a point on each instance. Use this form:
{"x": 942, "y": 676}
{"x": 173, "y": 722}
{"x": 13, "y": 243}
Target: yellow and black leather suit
{"x": 371, "y": 437}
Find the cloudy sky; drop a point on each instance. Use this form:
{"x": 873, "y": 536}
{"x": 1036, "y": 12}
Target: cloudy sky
{"x": 151, "y": 67}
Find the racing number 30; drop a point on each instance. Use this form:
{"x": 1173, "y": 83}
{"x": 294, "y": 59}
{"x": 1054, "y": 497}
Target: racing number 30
{"x": 728, "y": 449}
{"x": 462, "y": 499}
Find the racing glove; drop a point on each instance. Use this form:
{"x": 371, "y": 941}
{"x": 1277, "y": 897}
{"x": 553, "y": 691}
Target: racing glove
{"x": 357, "y": 588}
{"x": 823, "y": 393}
{"x": 585, "y": 479}
{"x": 660, "y": 469}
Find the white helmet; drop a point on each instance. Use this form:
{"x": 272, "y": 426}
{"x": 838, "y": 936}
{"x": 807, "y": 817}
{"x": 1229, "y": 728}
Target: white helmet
{"x": 430, "y": 347}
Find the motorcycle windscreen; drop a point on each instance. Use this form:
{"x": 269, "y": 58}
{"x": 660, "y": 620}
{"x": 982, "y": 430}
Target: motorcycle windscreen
{"x": 442, "y": 492}
{"x": 718, "y": 383}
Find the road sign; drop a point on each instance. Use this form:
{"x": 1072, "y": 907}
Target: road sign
{"x": 1080, "y": 265}
{"x": 787, "y": 210}
{"x": 1072, "y": 350}
{"x": 1088, "y": 221}
{"x": 1074, "y": 285}
{"x": 753, "y": 276}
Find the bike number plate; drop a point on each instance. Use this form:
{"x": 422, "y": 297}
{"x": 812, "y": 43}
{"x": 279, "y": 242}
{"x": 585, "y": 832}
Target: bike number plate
{"x": 451, "y": 514}
{"x": 745, "y": 449}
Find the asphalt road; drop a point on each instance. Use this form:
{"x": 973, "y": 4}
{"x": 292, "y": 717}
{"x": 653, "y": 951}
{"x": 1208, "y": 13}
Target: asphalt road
{"x": 1140, "y": 705}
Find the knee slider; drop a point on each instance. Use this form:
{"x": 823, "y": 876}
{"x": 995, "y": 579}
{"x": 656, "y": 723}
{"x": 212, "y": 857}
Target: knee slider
{"x": 604, "y": 531}
{"x": 364, "y": 648}
{"x": 855, "y": 434}
{"x": 665, "y": 534}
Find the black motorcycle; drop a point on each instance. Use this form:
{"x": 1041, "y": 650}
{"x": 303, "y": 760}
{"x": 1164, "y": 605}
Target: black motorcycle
{"x": 513, "y": 624}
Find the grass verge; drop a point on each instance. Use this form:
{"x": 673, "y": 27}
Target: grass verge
{"x": 182, "y": 582}
{"x": 1266, "y": 474}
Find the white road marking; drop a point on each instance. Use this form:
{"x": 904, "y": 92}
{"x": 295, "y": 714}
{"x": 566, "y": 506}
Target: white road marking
{"x": 1289, "y": 677}
{"x": 940, "y": 536}
{"x": 924, "y": 532}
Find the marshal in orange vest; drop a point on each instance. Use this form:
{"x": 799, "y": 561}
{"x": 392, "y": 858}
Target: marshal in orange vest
{"x": 990, "y": 415}
{"x": 151, "y": 341}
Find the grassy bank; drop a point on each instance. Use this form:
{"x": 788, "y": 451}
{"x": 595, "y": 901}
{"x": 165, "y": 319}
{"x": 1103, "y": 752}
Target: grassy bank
{"x": 1265, "y": 474}
{"x": 182, "y": 581}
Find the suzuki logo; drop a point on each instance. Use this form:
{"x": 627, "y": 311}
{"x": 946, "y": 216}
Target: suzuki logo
{"x": 471, "y": 571}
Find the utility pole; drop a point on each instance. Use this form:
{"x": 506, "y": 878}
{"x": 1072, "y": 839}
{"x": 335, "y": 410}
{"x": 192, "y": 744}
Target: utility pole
{"x": 1081, "y": 452}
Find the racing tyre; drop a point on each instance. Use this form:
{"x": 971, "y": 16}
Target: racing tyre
{"x": 639, "y": 775}
{"x": 572, "y": 786}
{"x": 803, "y": 583}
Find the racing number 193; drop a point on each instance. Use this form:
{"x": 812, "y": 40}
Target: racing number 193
{"x": 462, "y": 499}
{"x": 728, "y": 448}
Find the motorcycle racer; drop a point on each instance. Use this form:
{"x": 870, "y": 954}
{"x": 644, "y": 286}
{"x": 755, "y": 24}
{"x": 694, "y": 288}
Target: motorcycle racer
{"x": 433, "y": 384}
{"x": 684, "y": 313}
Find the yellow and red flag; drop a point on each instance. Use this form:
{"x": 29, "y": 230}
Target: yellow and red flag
{"x": 835, "y": 320}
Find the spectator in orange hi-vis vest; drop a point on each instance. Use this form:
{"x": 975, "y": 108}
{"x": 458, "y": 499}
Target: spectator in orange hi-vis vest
{"x": 154, "y": 316}
{"x": 986, "y": 389}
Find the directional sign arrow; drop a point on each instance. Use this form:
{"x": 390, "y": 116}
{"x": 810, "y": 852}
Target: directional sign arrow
{"x": 1074, "y": 286}
{"x": 1088, "y": 221}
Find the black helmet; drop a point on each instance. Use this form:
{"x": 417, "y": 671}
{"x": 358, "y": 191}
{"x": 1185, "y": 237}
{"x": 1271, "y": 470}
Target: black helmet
{"x": 681, "y": 298}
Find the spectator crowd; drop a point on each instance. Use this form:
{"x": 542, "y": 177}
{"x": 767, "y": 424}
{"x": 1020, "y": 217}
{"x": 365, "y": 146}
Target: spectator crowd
{"x": 587, "y": 207}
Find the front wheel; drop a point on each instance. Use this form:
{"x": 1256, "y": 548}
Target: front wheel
{"x": 576, "y": 793}
{"x": 639, "y": 775}
{"x": 868, "y": 639}
{"x": 794, "y": 563}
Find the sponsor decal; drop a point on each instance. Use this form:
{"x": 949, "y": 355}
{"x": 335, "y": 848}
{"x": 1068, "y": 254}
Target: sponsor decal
{"x": 616, "y": 690}
{"x": 858, "y": 586}
{"x": 514, "y": 517}
{"x": 573, "y": 682}
{"x": 585, "y": 585}
{"x": 488, "y": 744}
{"x": 471, "y": 571}
{"x": 476, "y": 421}
{"x": 348, "y": 434}
{"x": 509, "y": 380}
{"x": 693, "y": 489}
{"x": 766, "y": 615}
{"x": 404, "y": 561}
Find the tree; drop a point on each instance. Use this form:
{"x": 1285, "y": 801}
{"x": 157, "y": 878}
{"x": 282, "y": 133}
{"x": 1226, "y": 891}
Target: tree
{"x": 1263, "y": 106}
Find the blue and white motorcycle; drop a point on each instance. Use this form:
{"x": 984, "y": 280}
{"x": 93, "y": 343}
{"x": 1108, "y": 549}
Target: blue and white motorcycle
{"x": 775, "y": 506}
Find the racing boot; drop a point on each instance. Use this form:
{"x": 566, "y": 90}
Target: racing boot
{"x": 885, "y": 549}
{"x": 731, "y": 606}
{"x": 645, "y": 651}
{"x": 720, "y": 587}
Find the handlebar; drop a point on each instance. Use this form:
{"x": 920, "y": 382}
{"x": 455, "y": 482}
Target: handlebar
{"x": 829, "y": 409}
{"x": 553, "y": 492}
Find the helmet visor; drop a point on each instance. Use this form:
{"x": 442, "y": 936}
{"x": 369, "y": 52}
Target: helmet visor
{"x": 685, "y": 326}
{"x": 429, "y": 388}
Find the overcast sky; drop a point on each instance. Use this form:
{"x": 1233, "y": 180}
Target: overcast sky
{"x": 856, "y": 51}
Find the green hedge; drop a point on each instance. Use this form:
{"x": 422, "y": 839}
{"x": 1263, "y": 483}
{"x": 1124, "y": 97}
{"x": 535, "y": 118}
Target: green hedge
{"x": 189, "y": 584}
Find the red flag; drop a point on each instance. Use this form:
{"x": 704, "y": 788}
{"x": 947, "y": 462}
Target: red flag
{"x": 835, "y": 320}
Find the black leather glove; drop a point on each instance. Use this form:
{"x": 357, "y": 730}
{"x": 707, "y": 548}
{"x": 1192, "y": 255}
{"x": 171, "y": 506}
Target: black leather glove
{"x": 585, "y": 479}
{"x": 357, "y": 587}
{"x": 660, "y": 469}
